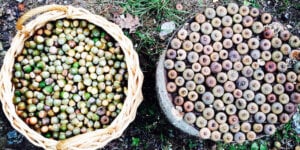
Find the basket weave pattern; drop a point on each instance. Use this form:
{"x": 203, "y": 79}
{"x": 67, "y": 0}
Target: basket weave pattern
{"x": 91, "y": 140}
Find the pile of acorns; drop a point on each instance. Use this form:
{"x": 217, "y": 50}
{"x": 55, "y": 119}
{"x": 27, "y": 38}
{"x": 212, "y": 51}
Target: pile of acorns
{"x": 232, "y": 75}
{"x": 70, "y": 78}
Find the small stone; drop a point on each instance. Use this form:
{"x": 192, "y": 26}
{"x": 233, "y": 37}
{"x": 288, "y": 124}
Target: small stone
{"x": 286, "y": 16}
{"x": 179, "y": 6}
{"x": 166, "y": 28}
{"x": 1, "y": 46}
{"x": 13, "y": 137}
{"x": 277, "y": 144}
{"x": 1, "y": 12}
{"x": 2, "y": 53}
{"x": 289, "y": 26}
{"x": 296, "y": 123}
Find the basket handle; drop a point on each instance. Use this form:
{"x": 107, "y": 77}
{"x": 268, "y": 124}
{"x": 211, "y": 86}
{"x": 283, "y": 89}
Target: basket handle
{"x": 37, "y": 11}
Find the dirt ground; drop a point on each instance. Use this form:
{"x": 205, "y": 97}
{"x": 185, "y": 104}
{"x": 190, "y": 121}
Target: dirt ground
{"x": 150, "y": 129}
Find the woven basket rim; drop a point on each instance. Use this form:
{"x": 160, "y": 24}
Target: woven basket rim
{"x": 91, "y": 140}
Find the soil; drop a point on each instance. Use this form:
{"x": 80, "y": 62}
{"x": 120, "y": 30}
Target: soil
{"x": 150, "y": 129}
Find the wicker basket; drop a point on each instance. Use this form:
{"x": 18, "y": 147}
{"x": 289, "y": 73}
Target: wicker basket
{"x": 90, "y": 140}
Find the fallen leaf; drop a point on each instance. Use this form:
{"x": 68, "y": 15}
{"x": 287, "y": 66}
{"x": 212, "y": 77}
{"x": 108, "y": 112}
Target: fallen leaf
{"x": 111, "y": 11}
{"x": 127, "y": 22}
{"x": 116, "y": 10}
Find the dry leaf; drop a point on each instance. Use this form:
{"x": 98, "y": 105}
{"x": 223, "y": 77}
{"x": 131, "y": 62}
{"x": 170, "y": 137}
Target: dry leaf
{"x": 128, "y": 22}
{"x": 116, "y": 10}
{"x": 110, "y": 11}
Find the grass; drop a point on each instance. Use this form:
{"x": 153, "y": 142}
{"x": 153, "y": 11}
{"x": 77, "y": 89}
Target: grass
{"x": 192, "y": 144}
{"x": 135, "y": 142}
{"x": 255, "y": 145}
{"x": 284, "y": 135}
{"x": 253, "y": 3}
{"x": 285, "y": 5}
{"x": 160, "y": 8}
{"x": 151, "y": 14}
{"x": 146, "y": 40}
{"x": 288, "y": 134}
{"x": 290, "y": 3}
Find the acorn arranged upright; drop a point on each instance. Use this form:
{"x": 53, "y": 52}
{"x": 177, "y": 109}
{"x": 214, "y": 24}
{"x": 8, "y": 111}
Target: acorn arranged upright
{"x": 233, "y": 74}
